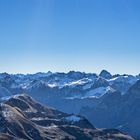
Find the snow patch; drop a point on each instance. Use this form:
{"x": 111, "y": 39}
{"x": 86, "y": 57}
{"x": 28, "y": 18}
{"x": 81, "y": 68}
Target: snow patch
{"x": 53, "y": 85}
{"x": 98, "y": 92}
{"x": 126, "y": 79}
{"x": 7, "y": 113}
{"x": 79, "y": 82}
{"x": 73, "y": 118}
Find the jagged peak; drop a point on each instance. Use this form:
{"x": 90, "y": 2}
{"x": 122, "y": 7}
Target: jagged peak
{"x": 105, "y": 74}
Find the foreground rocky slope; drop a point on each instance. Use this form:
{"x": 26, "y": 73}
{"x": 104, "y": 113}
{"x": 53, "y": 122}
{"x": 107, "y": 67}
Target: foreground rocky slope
{"x": 23, "y": 118}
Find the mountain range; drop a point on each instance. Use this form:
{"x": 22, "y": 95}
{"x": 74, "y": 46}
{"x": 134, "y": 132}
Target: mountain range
{"x": 106, "y": 100}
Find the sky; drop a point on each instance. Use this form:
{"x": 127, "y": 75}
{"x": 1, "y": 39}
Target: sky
{"x": 64, "y": 35}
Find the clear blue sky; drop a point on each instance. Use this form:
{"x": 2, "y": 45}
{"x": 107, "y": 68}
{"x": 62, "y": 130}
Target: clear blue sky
{"x": 63, "y": 35}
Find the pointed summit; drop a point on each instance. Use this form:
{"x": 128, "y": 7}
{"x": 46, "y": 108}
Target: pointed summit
{"x": 105, "y": 74}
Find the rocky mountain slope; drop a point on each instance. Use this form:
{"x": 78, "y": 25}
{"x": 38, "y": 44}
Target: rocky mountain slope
{"x": 116, "y": 111}
{"x": 23, "y": 118}
{"x": 104, "y": 99}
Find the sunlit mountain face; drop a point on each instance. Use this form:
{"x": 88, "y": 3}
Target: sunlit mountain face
{"x": 106, "y": 100}
{"x": 21, "y": 117}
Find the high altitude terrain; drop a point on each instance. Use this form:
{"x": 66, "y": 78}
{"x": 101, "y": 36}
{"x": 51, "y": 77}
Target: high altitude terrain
{"x": 23, "y": 118}
{"x": 106, "y": 100}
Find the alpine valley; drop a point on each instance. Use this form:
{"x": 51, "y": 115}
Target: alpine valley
{"x": 109, "y": 102}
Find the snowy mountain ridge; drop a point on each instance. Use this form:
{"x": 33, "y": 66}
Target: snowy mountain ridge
{"x": 93, "y": 85}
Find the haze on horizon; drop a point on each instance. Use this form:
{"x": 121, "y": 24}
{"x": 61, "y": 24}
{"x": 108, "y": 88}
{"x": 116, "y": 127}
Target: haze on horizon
{"x": 64, "y": 35}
